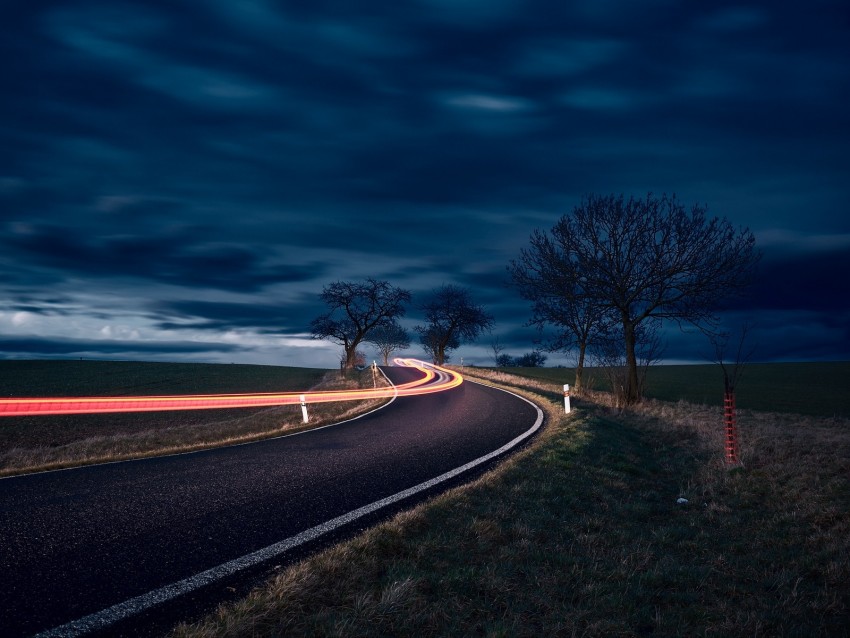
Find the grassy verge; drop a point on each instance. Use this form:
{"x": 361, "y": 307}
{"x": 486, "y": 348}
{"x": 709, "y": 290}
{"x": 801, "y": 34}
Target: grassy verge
{"x": 580, "y": 534}
{"x": 37, "y": 443}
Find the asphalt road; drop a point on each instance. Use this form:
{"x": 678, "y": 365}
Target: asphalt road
{"x": 76, "y": 542}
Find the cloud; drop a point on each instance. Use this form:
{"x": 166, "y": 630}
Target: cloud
{"x": 804, "y": 281}
{"x": 93, "y": 348}
{"x": 561, "y": 58}
{"x": 733, "y": 19}
{"x": 596, "y": 99}
{"x": 222, "y": 316}
{"x": 124, "y": 39}
{"x": 492, "y": 103}
{"x": 175, "y": 257}
{"x": 782, "y": 240}
{"x": 472, "y": 13}
{"x": 21, "y": 318}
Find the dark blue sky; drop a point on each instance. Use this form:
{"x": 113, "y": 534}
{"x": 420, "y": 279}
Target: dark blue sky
{"x": 179, "y": 180}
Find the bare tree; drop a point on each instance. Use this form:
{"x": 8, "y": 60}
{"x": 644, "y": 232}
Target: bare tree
{"x": 497, "y": 348}
{"x": 732, "y": 371}
{"x": 452, "y": 318}
{"x": 355, "y": 309}
{"x": 546, "y": 275}
{"x": 640, "y": 259}
{"x": 388, "y": 338}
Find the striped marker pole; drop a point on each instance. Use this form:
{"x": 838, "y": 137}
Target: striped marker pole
{"x": 567, "y": 398}
{"x": 730, "y": 420}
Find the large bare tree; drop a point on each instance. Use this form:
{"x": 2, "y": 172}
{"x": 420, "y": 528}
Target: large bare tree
{"x": 640, "y": 259}
{"x": 355, "y": 309}
{"x": 452, "y": 318}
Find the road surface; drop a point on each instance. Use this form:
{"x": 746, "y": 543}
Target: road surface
{"x": 76, "y": 545}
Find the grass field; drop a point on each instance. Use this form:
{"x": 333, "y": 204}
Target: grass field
{"x": 581, "y": 534}
{"x": 816, "y": 389}
{"x": 48, "y": 442}
{"x": 128, "y": 378}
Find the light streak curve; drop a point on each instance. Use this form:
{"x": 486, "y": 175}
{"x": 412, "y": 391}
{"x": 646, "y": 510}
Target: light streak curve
{"x": 434, "y": 379}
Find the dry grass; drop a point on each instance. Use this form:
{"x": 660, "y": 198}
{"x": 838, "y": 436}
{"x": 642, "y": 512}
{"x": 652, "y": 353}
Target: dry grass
{"x": 580, "y": 534}
{"x": 38, "y": 443}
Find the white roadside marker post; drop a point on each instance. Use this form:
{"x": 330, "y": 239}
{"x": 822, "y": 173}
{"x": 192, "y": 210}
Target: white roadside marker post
{"x": 567, "y": 398}
{"x": 304, "y": 408}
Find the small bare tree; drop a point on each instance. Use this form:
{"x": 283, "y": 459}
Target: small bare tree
{"x": 389, "y": 338}
{"x": 497, "y": 348}
{"x": 731, "y": 376}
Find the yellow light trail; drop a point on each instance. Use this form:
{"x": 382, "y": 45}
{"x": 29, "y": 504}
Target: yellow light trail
{"x": 434, "y": 379}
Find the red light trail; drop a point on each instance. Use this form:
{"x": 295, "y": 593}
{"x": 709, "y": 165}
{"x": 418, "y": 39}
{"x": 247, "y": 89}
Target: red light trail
{"x": 435, "y": 379}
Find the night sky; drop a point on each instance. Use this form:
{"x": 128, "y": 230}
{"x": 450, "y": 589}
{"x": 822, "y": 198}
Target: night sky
{"x": 179, "y": 180}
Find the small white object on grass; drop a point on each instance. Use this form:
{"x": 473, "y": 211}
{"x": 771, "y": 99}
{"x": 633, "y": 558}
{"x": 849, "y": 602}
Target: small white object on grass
{"x": 682, "y": 501}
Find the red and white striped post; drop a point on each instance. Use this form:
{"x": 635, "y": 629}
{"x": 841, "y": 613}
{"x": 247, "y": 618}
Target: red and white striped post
{"x": 730, "y": 420}
{"x": 567, "y": 398}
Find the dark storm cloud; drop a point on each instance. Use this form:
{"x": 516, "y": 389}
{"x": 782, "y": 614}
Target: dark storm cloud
{"x": 816, "y": 282}
{"x": 223, "y": 316}
{"x": 82, "y": 347}
{"x": 257, "y": 150}
{"x": 169, "y": 257}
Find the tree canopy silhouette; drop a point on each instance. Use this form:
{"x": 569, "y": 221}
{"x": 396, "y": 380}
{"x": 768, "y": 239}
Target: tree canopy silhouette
{"x": 388, "y": 338}
{"x": 452, "y": 318}
{"x": 624, "y": 261}
{"x": 355, "y": 309}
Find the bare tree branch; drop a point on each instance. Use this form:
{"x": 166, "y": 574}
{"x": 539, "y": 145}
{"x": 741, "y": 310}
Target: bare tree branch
{"x": 355, "y": 309}
{"x": 617, "y": 261}
{"x": 452, "y": 318}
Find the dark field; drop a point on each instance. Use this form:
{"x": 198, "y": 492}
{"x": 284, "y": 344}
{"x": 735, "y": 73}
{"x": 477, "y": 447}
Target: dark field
{"x": 127, "y": 378}
{"x": 814, "y": 389}
{"x": 45, "y": 442}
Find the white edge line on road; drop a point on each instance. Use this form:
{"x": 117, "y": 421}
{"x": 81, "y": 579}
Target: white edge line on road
{"x": 210, "y": 449}
{"x": 128, "y": 608}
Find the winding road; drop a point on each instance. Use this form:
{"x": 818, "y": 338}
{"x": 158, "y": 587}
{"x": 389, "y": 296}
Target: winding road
{"x": 88, "y": 549}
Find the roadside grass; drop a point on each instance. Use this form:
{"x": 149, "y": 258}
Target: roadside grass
{"x": 580, "y": 534}
{"x": 814, "y": 389}
{"x": 38, "y": 443}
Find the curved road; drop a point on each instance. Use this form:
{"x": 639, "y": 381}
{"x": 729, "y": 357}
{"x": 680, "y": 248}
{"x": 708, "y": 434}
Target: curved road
{"x": 76, "y": 542}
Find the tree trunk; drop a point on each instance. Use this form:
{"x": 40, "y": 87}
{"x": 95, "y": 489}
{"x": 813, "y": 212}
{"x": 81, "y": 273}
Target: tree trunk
{"x": 580, "y": 368}
{"x": 631, "y": 391}
{"x": 349, "y": 358}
